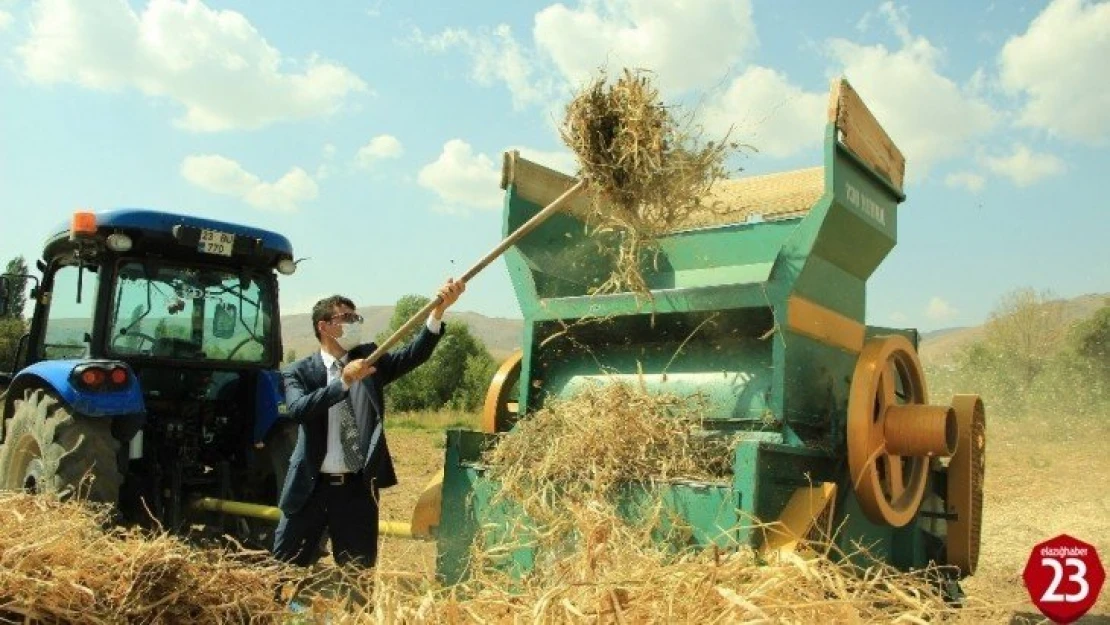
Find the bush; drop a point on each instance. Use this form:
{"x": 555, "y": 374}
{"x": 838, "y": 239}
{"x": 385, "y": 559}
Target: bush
{"x": 454, "y": 378}
{"x": 1033, "y": 362}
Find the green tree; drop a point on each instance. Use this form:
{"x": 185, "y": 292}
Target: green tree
{"x": 1029, "y": 328}
{"x": 454, "y": 377}
{"x": 290, "y": 356}
{"x": 12, "y": 325}
{"x": 17, "y": 287}
{"x": 1032, "y": 361}
{"x": 403, "y": 310}
{"x": 1092, "y": 343}
{"x": 11, "y": 329}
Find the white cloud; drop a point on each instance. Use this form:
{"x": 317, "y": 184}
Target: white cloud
{"x": 1024, "y": 166}
{"x": 971, "y": 181}
{"x": 927, "y": 114}
{"x": 1056, "y": 64}
{"x": 6, "y": 20}
{"x": 690, "y": 44}
{"x": 899, "y": 317}
{"x": 222, "y": 175}
{"x": 940, "y": 310}
{"x": 767, "y": 112}
{"x": 379, "y": 148}
{"x": 212, "y": 62}
{"x": 462, "y": 178}
{"x": 327, "y": 154}
{"x": 496, "y": 56}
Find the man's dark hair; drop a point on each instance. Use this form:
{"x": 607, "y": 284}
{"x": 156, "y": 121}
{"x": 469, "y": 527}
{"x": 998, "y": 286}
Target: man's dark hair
{"x": 325, "y": 308}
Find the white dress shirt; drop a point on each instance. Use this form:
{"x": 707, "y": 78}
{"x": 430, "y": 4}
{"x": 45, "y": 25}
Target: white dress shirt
{"x": 334, "y": 461}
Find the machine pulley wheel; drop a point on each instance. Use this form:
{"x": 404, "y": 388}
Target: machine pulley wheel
{"x": 965, "y": 485}
{"x": 499, "y": 410}
{"x": 893, "y": 432}
{"x": 47, "y": 449}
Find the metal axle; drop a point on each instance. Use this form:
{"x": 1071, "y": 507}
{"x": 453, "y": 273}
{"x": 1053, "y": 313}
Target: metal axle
{"x": 271, "y": 513}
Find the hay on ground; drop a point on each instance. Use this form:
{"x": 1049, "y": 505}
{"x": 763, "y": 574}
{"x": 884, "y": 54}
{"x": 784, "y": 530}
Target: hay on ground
{"x": 63, "y": 563}
{"x": 648, "y": 169}
{"x": 565, "y": 465}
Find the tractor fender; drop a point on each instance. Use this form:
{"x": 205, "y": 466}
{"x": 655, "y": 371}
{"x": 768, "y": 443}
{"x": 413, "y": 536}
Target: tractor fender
{"x": 56, "y": 377}
{"x": 269, "y": 404}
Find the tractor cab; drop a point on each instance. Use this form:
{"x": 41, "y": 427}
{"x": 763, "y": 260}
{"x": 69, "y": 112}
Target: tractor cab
{"x": 157, "y": 338}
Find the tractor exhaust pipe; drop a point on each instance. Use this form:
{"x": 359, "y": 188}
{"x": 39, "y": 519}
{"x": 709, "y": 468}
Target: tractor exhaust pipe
{"x": 272, "y": 513}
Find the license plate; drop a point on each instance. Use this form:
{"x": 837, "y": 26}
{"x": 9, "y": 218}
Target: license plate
{"x": 216, "y": 242}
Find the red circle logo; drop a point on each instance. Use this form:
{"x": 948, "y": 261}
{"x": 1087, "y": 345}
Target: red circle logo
{"x": 1064, "y": 577}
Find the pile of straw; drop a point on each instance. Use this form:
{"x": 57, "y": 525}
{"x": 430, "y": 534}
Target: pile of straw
{"x": 605, "y": 435}
{"x": 566, "y": 466}
{"x": 648, "y": 169}
{"x": 569, "y": 465}
{"x": 58, "y": 564}
{"x": 700, "y": 588}
{"x": 63, "y": 563}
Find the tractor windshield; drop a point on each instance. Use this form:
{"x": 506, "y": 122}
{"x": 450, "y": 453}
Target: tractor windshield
{"x": 192, "y": 313}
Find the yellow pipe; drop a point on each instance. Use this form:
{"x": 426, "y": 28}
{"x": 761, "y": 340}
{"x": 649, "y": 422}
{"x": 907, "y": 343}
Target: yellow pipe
{"x": 272, "y": 513}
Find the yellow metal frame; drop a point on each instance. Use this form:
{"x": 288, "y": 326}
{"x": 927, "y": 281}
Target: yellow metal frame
{"x": 828, "y": 326}
{"x": 497, "y": 407}
{"x": 272, "y": 513}
{"x": 799, "y": 520}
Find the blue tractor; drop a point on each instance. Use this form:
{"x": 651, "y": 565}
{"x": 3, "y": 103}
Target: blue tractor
{"x": 148, "y": 376}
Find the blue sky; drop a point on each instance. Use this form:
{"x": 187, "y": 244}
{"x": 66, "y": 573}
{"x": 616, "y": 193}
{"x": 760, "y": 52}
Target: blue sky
{"x": 370, "y": 131}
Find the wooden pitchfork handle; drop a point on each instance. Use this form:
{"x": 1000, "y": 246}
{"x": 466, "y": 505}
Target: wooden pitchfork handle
{"x": 508, "y": 242}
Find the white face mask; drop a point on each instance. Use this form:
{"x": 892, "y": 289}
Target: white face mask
{"x": 351, "y": 337}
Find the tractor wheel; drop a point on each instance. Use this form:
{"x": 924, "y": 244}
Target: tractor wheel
{"x": 49, "y": 450}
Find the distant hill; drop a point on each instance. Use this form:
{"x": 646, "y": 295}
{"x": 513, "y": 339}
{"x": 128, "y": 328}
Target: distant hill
{"x": 501, "y": 336}
{"x": 941, "y": 345}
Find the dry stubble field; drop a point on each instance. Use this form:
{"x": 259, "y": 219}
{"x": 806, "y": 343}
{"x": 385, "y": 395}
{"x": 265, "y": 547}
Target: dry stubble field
{"x": 1042, "y": 479}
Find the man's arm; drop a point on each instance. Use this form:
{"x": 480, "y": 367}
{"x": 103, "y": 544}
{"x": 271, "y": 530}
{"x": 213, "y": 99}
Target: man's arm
{"x": 396, "y": 364}
{"x": 393, "y": 365}
{"x": 306, "y": 405}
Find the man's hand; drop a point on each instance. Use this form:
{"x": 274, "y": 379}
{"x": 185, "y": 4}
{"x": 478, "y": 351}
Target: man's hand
{"x": 448, "y": 294}
{"x": 356, "y": 370}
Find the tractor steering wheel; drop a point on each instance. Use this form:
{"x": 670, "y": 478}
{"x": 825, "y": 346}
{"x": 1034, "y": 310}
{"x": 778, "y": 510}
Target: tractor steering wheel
{"x": 143, "y": 338}
{"x": 235, "y": 349}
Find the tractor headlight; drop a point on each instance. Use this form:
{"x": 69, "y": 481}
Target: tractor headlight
{"x": 119, "y": 242}
{"x": 286, "y": 266}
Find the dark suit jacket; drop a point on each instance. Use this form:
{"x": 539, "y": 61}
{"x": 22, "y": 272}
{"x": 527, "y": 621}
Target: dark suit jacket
{"x": 308, "y": 397}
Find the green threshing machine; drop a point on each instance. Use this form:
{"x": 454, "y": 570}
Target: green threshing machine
{"x": 759, "y": 307}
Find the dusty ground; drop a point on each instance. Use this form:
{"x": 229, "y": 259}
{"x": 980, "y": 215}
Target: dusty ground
{"x": 417, "y": 457}
{"x": 1042, "y": 480}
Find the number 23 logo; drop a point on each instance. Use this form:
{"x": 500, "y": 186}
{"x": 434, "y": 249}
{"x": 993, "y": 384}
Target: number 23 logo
{"x": 1052, "y": 594}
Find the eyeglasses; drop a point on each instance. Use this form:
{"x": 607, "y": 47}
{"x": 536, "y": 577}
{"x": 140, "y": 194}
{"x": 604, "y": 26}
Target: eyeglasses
{"x": 346, "y": 318}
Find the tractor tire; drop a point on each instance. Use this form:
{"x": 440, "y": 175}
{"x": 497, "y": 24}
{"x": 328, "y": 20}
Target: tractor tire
{"x": 49, "y": 450}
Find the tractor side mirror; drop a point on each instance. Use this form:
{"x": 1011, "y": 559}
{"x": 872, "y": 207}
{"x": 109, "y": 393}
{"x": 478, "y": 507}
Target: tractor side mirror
{"x": 223, "y": 321}
{"x": 5, "y": 295}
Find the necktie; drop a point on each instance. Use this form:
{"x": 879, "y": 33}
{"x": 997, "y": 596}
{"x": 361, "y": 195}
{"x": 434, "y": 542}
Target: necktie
{"x": 349, "y": 432}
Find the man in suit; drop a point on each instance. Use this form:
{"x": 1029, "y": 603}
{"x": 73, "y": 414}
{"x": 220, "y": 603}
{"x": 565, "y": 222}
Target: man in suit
{"x": 341, "y": 459}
